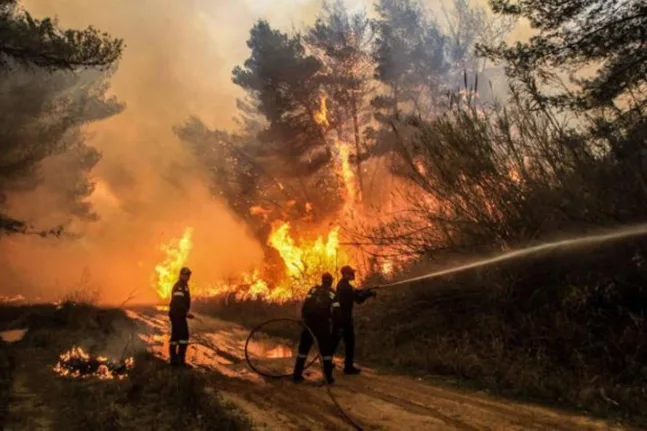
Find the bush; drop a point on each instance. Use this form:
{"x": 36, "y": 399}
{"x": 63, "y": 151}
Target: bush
{"x": 487, "y": 179}
{"x": 566, "y": 325}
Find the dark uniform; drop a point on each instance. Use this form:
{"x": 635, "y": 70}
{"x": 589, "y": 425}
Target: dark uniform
{"x": 320, "y": 310}
{"x": 178, "y": 312}
{"x": 348, "y": 296}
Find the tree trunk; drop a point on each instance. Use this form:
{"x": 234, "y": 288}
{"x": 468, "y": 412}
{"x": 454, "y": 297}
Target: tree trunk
{"x": 360, "y": 180}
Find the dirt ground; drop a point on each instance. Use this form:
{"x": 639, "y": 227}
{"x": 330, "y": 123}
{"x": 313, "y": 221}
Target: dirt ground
{"x": 374, "y": 400}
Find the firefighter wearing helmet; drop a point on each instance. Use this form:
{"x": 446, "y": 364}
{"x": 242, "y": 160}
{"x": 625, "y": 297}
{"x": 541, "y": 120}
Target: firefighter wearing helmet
{"x": 320, "y": 312}
{"x": 348, "y": 296}
{"x": 179, "y": 313}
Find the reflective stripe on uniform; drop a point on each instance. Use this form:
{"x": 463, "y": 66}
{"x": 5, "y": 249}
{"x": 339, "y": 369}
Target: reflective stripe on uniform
{"x": 332, "y": 295}
{"x": 173, "y": 343}
{"x": 183, "y": 341}
{"x": 327, "y": 358}
{"x": 336, "y": 304}
{"x": 302, "y": 356}
{"x": 178, "y": 293}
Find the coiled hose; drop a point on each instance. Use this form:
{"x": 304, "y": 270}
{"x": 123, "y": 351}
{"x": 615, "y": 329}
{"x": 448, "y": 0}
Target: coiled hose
{"x": 343, "y": 414}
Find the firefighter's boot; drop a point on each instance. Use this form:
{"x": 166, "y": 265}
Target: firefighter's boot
{"x": 328, "y": 367}
{"x": 297, "y": 375}
{"x": 182, "y": 354}
{"x": 173, "y": 354}
{"x": 352, "y": 370}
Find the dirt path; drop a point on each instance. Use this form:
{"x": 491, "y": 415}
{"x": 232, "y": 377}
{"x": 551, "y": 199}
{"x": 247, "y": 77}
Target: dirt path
{"x": 375, "y": 401}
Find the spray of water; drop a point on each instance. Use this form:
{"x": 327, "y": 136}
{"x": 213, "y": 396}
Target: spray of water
{"x": 567, "y": 243}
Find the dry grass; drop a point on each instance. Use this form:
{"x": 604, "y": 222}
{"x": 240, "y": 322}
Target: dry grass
{"x": 564, "y": 327}
{"x": 152, "y": 397}
{"x": 6, "y": 368}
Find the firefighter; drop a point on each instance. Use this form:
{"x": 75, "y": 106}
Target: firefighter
{"x": 179, "y": 313}
{"x": 319, "y": 312}
{"x": 348, "y": 296}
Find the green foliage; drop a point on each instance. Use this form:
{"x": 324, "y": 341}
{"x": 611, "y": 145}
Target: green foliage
{"x": 343, "y": 43}
{"x": 43, "y": 43}
{"x": 573, "y": 35}
{"x": 44, "y": 104}
{"x": 285, "y": 82}
{"x": 410, "y": 54}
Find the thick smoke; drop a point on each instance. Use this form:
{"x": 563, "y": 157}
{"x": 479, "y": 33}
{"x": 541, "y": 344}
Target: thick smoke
{"x": 177, "y": 62}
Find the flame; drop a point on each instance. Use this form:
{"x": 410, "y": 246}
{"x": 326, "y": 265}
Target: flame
{"x": 77, "y": 363}
{"x": 257, "y": 287}
{"x": 177, "y": 253}
{"x": 304, "y": 260}
{"x": 259, "y": 211}
{"x": 321, "y": 116}
{"x": 345, "y": 171}
{"x": 420, "y": 167}
{"x": 279, "y": 352}
{"x": 387, "y": 268}
{"x": 343, "y": 166}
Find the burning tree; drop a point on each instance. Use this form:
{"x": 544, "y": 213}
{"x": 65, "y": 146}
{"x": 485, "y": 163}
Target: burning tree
{"x": 302, "y": 261}
{"x": 317, "y": 129}
{"x": 343, "y": 44}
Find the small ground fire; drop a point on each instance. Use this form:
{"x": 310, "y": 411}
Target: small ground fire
{"x": 77, "y": 363}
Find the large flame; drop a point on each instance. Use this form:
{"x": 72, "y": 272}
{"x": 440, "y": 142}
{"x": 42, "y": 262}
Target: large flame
{"x": 305, "y": 256}
{"x": 304, "y": 261}
{"x": 342, "y": 165}
{"x": 166, "y": 273}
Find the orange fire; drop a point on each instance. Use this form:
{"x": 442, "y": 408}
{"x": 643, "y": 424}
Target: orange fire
{"x": 345, "y": 171}
{"x": 321, "y": 116}
{"x": 387, "y": 268}
{"x": 260, "y": 211}
{"x": 166, "y": 273}
{"x": 71, "y": 363}
{"x": 304, "y": 259}
{"x": 343, "y": 166}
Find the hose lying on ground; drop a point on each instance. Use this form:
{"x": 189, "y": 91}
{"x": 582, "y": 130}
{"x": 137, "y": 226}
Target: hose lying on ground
{"x": 318, "y": 356}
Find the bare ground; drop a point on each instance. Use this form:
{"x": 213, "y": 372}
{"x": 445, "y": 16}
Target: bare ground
{"x": 374, "y": 400}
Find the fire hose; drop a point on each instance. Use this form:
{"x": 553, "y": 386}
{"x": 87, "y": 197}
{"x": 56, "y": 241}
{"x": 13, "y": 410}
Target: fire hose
{"x": 592, "y": 239}
{"x": 318, "y": 356}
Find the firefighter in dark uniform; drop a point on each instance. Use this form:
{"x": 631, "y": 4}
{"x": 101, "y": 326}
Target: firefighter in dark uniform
{"x": 179, "y": 313}
{"x": 320, "y": 312}
{"x": 348, "y": 296}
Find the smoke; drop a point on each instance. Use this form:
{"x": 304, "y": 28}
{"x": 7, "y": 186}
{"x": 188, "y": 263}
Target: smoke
{"x": 178, "y": 62}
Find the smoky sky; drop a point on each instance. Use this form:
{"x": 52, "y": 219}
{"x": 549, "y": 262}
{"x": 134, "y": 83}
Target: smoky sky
{"x": 177, "y": 62}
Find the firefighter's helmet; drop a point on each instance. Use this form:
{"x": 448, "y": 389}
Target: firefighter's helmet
{"x": 347, "y": 270}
